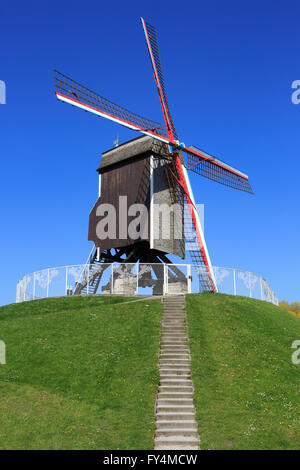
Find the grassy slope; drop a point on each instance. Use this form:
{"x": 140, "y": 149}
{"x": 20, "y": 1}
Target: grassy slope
{"x": 81, "y": 373}
{"x": 247, "y": 389}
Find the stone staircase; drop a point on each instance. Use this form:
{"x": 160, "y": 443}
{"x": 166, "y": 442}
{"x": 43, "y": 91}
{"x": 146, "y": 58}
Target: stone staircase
{"x": 176, "y": 426}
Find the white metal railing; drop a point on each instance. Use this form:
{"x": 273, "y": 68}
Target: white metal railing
{"x": 139, "y": 279}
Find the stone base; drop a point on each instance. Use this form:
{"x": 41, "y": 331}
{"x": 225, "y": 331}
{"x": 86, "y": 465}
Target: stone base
{"x": 178, "y": 287}
{"x": 174, "y": 287}
{"x": 123, "y": 285}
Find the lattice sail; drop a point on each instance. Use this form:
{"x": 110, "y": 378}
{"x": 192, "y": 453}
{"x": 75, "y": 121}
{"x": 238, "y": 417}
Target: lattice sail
{"x": 153, "y": 49}
{"x": 204, "y": 271}
{"x": 210, "y": 167}
{"x": 198, "y": 252}
{"x": 78, "y": 95}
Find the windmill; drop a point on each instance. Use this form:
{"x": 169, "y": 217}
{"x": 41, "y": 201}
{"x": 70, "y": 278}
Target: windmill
{"x": 175, "y": 157}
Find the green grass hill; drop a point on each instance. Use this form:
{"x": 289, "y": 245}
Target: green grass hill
{"x": 81, "y": 373}
{"x": 246, "y": 387}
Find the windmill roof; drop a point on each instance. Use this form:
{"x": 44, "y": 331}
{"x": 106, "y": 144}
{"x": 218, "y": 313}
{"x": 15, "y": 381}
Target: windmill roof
{"x": 131, "y": 149}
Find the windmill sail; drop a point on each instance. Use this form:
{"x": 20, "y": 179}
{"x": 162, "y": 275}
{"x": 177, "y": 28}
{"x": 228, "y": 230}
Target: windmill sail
{"x": 195, "y": 242}
{"x": 72, "y": 92}
{"x": 153, "y": 49}
{"x": 211, "y": 167}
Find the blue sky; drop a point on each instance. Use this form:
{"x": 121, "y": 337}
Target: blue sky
{"x": 228, "y": 65}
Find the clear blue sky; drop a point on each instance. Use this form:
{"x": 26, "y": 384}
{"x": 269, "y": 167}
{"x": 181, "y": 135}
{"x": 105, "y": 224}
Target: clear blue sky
{"x": 228, "y": 67}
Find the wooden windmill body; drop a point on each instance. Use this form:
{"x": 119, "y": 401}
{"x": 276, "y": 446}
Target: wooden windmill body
{"x": 137, "y": 172}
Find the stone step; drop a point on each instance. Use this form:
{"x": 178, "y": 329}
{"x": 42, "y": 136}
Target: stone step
{"x": 174, "y": 337}
{"x": 174, "y": 362}
{"x": 172, "y": 394}
{"x": 171, "y": 338}
{"x": 183, "y": 379}
{"x": 175, "y": 350}
{"x": 175, "y": 359}
{"x": 172, "y": 377}
{"x": 176, "y": 380}
{"x": 172, "y": 315}
{"x": 174, "y": 311}
{"x": 174, "y": 342}
{"x": 174, "y": 303}
{"x": 182, "y": 334}
{"x": 175, "y": 401}
{"x": 169, "y": 375}
{"x": 173, "y": 321}
{"x": 177, "y": 440}
{"x": 174, "y": 298}
{"x": 175, "y": 447}
{"x": 174, "y": 306}
{"x": 179, "y": 354}
{"x": 176, "y": 388}
{"x": 176, "y": 424}
{"x": 173, "y": 324}
{"x": 177, "y": 305}
{"x": 175, "y": 355}
{"x": 173, "y": 328}
{"x": 177, "y": 433}
{"x": 182, "y": 372}
{"x": 161, "y": 408}
{"x": 174, "y": 331}
{"x": 175, "y": 370}
{"x": 175, "y": 416}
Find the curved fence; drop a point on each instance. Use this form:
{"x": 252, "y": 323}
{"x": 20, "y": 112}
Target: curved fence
{"x": 138, "y": 279}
